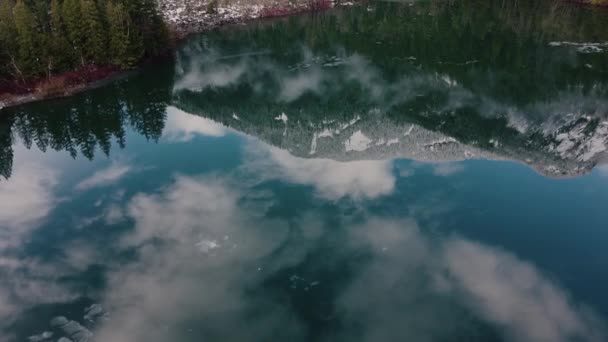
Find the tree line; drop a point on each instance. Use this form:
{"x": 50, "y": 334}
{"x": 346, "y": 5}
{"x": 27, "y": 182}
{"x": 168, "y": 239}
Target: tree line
{"x": 45, "y": 37}
{"x": 93, "y": 121}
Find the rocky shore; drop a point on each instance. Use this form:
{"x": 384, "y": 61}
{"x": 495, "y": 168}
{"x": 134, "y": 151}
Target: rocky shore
{"x": 192, "y": 16}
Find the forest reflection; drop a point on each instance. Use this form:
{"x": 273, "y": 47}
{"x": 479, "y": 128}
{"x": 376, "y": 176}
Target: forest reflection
{"x": 511, "y": 58}
{"x": 91, "y": 121}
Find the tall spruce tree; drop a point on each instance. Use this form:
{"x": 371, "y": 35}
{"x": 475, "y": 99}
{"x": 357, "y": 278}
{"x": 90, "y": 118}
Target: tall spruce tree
{"x": 95, "y": 37}
{"x": 28, "y": 39}
{"x": 8, "y": 40}
{"x": 49, "y": 36}
{"x": 154, "y": 32}
{"x": 60, "y": 46}
{"x": 73, "y": 27}
{"x": 125, "y": 45}
{"x": 46, "y": 58}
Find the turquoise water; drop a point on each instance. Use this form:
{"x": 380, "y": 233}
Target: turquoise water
{"x": 383, "y": 172}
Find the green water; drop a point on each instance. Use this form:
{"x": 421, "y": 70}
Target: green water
{"x": 420, "y": 171}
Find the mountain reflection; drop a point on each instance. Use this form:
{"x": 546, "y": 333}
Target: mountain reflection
{"x": 303, "y": 180}
{"x": 449, "y": 84}
{"x": 500, "y": 82}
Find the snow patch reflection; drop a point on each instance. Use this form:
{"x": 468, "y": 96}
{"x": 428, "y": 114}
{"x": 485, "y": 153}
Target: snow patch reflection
{"x": 182, "y": 127}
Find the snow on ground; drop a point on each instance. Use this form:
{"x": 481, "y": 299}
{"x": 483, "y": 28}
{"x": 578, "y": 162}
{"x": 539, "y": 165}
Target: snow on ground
{"x": 583, "y": 142}
{"x": 186, "y": 16}
{"x": 583, "y": 47}
{"x": 357, "y": 142}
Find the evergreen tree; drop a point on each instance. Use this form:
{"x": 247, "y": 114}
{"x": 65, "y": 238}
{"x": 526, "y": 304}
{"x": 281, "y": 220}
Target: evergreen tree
{"x": 46, "y": 58}
{"x": 153, "y": 30}
{"x": 94, "y": 33}
{"x": 28, "y": 39}
{"x": 40, "y": 9}
{"x": 49, "y": 36}
{"x": 8, "y": 39}
{"x": 60, "y": 46}
{"x": 126, "y": 47}
{"x": 8, "y": 31}
{"x": 73, "y": 27}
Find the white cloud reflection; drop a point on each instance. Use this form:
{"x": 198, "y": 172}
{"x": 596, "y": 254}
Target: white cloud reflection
{"x": 106, "y": 176}
{"x": 27, "y": 197}
{"x": 293, "y": 87}
{"x": 411, "y": 282}
{"x": 216, "y": 74}
{"x": 175, "y": 281}
{"x": 207, "y": 254}
{"x": 513, "y": 294}
{"x": 408, "y": 286}
{"x": 361, "y": 179}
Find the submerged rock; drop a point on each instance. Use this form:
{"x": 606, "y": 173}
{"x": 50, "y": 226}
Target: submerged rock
{"x": 59, "y": 321}
{"x": 74, "y": 330}
{"x": 45, "y": 336}
{"x": 93, "y": 312}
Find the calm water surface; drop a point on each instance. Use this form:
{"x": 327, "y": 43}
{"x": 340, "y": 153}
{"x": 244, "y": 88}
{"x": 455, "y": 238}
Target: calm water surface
{"x": 395, "y": 171}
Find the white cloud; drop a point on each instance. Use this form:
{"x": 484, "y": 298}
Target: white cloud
{"x": 331, "y": 179}
{"x": 514, "y": 294}
{"x": 25, "y": 283}
{"x": 113, "y": 214}
{"x": 27, "y": 198}
{"x": 414, "y": 280}
{"x": 293, "y": 87}
{"x": 110, "y": 175}
{"x": 177, "y": 280}
{"x": 215, "y": 75}
{"x": 203, "y": 245}
{"x": 177, "y": 213}
{"x": 181, "y": 126}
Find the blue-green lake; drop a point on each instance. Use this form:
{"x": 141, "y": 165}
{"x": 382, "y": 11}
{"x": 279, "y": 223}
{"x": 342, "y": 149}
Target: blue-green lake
{"x": 388, "y": 171}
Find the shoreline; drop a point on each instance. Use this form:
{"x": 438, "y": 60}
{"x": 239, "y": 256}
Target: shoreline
{"x": 8, "y": 100}
{"x": 181, "y": 29}
{"x": 182, "y": 22}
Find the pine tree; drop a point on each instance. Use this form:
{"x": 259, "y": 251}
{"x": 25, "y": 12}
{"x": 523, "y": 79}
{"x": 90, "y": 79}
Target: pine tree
{"x": 46, "y": 58}
{"x": 8, "y": 31}
{"x": 50, "y": 36}
{"x": 60, "y": 47}
{"x": 72, "y": 21}
{"x": 125, "y": 44}
{"x": 8, "y": 39}
{"x": 94, "y": 33}
{"x": 154, "y": 32}
{"x": 28, "y": 39}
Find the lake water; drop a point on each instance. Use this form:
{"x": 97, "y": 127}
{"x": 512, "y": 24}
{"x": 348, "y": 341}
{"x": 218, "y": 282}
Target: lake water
{"x": 395, "y": 171}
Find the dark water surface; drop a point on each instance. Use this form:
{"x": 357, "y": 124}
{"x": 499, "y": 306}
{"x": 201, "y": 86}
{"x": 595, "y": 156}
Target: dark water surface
{"x": 397, "y": 171}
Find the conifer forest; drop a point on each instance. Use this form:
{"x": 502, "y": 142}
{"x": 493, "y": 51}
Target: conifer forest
{"x": 41, "y": 38}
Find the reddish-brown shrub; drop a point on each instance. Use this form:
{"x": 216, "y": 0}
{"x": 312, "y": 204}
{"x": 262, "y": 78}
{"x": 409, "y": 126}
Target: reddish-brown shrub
{"x": 55, "y": 86}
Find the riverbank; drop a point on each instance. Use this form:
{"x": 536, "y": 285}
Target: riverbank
{"x": 61, "y": 85}
{"x": 184, "y": 17}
